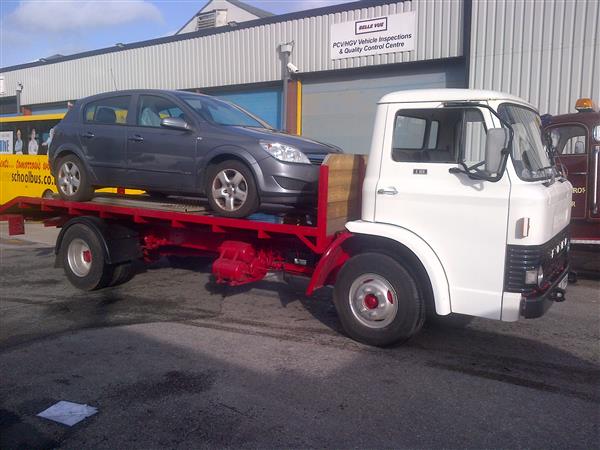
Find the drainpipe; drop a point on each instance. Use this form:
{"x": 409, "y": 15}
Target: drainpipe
{"x": 285, "y": 50}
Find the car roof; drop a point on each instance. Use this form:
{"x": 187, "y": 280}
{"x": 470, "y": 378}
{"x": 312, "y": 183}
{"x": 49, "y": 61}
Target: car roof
{"x": 432, "y": 95}
{"x": 138, "y": 91}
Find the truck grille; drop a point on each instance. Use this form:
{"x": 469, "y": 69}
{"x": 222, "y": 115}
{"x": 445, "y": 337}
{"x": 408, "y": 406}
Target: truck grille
{"x": 552, "y": 256}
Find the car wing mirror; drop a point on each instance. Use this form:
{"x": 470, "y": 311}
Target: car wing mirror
{"x": 175, "y": 123}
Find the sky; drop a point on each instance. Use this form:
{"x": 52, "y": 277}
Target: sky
{"x": 34, "y": 29}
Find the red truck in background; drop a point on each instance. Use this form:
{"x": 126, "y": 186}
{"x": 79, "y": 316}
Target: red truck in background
{"x": 576, "y": 143}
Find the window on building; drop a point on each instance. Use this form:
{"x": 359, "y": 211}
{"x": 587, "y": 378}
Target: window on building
{"x": 569, "y": 139}
{"x": 108, "y": 111}
{"x": 153, "y": 109}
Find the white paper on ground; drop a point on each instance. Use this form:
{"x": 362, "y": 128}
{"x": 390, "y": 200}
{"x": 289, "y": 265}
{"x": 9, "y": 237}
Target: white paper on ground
{"x": 68, "y": 413}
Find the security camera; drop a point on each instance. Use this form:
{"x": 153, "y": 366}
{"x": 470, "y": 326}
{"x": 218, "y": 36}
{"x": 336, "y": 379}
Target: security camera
{"x": 19, "y": 87}
{"x": 292, "y": 68}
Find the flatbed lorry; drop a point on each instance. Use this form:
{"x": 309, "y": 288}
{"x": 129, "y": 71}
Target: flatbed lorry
{"x": 455, "y": 210}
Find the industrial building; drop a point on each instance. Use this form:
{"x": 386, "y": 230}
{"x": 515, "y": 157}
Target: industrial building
{"x": 320, "y": 72}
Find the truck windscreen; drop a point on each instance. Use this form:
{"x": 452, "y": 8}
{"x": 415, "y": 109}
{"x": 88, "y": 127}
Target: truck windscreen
{"x": 529, "y": 154}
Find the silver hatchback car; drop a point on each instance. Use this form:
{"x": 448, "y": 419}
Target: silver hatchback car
{"x": 174, "y": 142}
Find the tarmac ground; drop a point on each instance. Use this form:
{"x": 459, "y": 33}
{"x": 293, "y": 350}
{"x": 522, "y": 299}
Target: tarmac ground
{"x": 172, "y": 360}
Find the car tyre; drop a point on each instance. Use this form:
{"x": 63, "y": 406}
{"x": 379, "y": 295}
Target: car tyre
{"x": 377, "y": 300}
{"x": 72, "y": 180}
{"x": 231, "y": 189}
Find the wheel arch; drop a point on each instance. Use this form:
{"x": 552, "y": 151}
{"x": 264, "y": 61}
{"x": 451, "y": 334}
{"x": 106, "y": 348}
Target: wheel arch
{"x": 120, "y": 243}
{"x": 396, "y": 242}
{"x": 229, "y": 152}
{"x": 66, "y": 150}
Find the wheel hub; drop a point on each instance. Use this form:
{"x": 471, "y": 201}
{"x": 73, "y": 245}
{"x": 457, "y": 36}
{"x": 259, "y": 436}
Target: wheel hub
{"x": 69, "y": 178}
{"x": 79, "y": 257}
{"x": 373, "y": 300}
{"x": 230, "y": 189}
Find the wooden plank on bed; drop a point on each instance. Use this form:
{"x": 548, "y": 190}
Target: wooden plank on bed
{"x": 344, "y": 189}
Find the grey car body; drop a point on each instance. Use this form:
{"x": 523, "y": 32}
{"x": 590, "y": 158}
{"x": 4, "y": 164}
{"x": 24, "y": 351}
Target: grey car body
{"x": 175, "y": 161}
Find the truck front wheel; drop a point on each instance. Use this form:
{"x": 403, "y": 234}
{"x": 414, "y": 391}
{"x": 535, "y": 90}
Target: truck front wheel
{"x": 377, "y": 300}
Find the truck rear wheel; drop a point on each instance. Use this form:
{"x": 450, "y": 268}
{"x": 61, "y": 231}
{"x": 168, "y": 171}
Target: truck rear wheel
{"x": 83, "y": 258}
{"x": 377, "y": 300}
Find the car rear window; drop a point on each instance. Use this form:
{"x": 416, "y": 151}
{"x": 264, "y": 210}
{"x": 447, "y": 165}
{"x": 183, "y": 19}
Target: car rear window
{"x": 108, "y": 111}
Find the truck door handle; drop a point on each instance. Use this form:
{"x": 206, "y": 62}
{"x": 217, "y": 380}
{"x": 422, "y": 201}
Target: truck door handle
{"x": 136, "y": 138}
{"x": 88, "y": 135}
{"x": 387, "y": 191}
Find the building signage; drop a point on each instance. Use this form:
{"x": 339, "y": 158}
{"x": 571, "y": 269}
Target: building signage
{"x": 386, "y": 34}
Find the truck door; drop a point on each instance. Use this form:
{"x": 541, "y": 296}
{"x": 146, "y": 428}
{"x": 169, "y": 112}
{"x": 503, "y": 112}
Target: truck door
{"x": 570, "y": 142}
{"x": 463, "y": 220}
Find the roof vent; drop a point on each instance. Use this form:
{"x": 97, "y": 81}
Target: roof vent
{"x": 211, "y": 19}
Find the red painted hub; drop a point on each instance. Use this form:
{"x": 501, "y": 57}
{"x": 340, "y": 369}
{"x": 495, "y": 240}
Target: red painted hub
{"x": 87, "y": 256}
{"x": 371, "y": 301}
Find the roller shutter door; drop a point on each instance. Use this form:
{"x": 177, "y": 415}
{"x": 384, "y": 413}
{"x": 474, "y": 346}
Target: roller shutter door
{"x": 341, "y": 111}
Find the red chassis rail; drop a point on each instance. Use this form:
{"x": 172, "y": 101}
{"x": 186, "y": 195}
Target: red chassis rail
{"x": 247, "y": 249}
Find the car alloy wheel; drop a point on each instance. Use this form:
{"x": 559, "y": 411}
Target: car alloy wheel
{"x": 230, "y": 189}
{"x": 69, "y": 178}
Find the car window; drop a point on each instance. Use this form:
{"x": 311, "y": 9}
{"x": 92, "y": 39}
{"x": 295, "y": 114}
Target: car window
{"x": 108, "y": 111}
{"x": 569, "y": 139}
{"x": 222, "y": 112}
{"x": 153, "y": 109}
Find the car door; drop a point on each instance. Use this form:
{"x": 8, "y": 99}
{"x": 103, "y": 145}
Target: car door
{"x": 158, "y": 157}
{"x": 463, "y": 220}
{"x": 103, "y": 135}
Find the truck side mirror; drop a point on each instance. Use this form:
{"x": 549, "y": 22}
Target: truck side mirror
{"x": 175, "y": 123}
{"x": 495, "y": 143}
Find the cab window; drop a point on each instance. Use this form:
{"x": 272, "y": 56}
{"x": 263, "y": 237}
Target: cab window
{"x": 569, "y": 139}
{"x": 153, "y": 109}
{"x": 107, "y": 111}
{"x": 438, "y": 135}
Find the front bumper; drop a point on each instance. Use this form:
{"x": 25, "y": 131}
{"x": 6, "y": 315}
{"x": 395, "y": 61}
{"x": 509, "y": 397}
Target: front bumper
{"x": 286, "y": 183}
{"x": 537, "y": 305}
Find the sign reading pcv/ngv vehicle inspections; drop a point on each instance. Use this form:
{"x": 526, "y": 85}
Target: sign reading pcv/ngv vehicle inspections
{"x": 386, "y": 34}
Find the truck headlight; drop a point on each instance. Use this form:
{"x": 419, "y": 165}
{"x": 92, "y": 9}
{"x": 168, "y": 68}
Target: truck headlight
{"x": 283, "y": 152}
{"x": 535, "y": 276}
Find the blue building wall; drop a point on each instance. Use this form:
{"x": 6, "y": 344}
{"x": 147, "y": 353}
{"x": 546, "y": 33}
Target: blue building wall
{"x": 264, "y": 103}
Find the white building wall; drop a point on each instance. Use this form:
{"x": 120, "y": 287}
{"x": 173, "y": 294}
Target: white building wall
{"x": 547, "y": 52}
{"x": 245, "y": 55}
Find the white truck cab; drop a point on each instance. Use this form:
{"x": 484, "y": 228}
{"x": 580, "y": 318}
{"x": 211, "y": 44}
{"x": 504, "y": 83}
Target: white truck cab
{"x": 463, "y": 180}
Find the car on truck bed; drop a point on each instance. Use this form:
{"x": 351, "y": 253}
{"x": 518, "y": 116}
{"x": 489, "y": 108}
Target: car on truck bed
{"x": 458, "y": 209}
{"x": 175, "y": 142}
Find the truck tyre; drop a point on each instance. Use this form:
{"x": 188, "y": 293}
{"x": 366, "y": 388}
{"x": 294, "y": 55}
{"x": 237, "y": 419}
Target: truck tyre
{"x": 83, "y": 258}
{"x": 72, "y": 180}
{"x": 231, "y": 189}
{"x": 377, "y": 300}
{"x": 122, "y": 273}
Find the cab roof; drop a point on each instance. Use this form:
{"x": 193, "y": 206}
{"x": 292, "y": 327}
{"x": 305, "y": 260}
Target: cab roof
{"x": 439, "y": 95}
